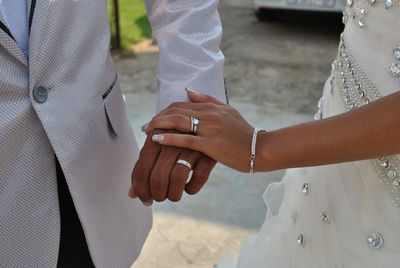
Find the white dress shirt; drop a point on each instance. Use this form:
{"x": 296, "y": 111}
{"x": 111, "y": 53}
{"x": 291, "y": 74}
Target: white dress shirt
{"x": 189, "y": 34}
{"x": 15, "y": 15}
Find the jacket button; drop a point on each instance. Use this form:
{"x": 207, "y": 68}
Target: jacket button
{"x": 40, "y": 94}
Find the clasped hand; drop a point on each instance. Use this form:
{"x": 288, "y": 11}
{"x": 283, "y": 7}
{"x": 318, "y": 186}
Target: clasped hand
{"x": 157, "y": 176}
{"x": 223, "y": 135}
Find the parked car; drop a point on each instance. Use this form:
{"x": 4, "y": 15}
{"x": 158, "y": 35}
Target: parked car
{"x": 268, "y": 9}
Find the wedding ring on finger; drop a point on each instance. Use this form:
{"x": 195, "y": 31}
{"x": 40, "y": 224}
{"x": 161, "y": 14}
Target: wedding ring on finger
{"x": 194, "y": 124}
{"x": 184, "y": 163}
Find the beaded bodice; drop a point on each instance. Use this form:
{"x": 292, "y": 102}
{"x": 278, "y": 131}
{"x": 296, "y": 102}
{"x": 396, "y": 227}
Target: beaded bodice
{"x": 374, "y": 27}
{"x": 368, "y": 67}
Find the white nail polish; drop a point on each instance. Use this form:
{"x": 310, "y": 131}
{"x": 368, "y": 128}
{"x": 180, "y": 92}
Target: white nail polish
{"x": 157, "y": 138}
{"x": 192, "y": 90}
{"x": 145, "y": 127}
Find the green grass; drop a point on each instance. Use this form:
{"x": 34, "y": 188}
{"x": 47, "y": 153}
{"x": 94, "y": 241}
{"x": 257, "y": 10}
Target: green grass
{"x": 133, "y": 21}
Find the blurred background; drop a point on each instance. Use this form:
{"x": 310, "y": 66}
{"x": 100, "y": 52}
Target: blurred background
{"x": 277, "y": 62}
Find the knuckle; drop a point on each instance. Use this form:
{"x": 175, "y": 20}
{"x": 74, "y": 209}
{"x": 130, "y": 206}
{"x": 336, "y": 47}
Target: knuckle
{"x": 214, "y": 129}
{"x": 215, "y": 106}
{"x": 173, "y": 110}
{"x": 215, "y": 116}
{"x": 177, "y": 174}
{"x": 177, "y": 119}
{"x": 212, "y": 114}
{"x": 219, "y": 114}
{"x": 188, "y": 142}
{"x": 210, "y": 106}
{"x": 157, "y": 183}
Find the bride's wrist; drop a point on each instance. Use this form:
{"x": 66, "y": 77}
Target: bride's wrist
{"x": 265, "y": 153}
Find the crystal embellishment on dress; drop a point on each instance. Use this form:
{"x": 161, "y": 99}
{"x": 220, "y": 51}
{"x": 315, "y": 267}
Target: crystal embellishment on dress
{"x": 396, "y": 52}
{"x": 375, "y": 240}
{"x": 306, "y": 188}
{"x": 359, "y": 14}
{"x": 353, "y": 88}
{"x": 388, "y": 3}
{"x": 358, "y": 90}
{"x": 324, "y": 216}
{"x": 318, "y": 114}
{"x": 362, "y": 13}
{"x": 300, "y": 240}
{"x": 388, "y": 173}
{"x": 395, "y": 69}
{"x": 392, "y": 174}
{"x": 385, "y": 163}
{"x": 345, "y": 17}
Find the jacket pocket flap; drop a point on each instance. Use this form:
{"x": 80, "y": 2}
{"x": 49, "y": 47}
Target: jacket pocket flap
{"x": 114, "y": 105}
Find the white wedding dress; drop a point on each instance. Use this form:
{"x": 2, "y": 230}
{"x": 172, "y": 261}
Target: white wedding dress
{"x": 345, "y": 215}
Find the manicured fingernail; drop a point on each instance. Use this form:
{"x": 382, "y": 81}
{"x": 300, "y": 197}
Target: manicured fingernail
{"x": 192, "y": 91}
{"x": 145, "y": 127}
{"x": 132, "y": 193}
{"x": 158, "y": 138}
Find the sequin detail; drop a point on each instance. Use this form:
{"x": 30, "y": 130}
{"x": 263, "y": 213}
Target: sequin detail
{"x": 395, "y": 67}
{"x": 359, "y": 11}
{"x": 358, "y": 90}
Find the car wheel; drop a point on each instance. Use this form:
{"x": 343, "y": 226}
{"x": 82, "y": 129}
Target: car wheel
{"x": 264, "y": 14}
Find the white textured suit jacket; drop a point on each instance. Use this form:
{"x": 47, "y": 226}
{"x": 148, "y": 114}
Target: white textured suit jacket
{"x": 66, "y": 100}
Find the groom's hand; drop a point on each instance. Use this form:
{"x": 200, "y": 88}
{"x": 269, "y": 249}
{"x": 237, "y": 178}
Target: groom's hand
{"x": 158, "y": 177}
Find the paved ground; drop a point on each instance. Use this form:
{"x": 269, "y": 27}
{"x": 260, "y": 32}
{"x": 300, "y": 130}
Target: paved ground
{"x": 199, "y": 230}
{"x": 275, "y": 74}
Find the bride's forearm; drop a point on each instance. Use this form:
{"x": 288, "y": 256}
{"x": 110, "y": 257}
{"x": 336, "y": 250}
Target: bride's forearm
{"x": 368, "y": 132}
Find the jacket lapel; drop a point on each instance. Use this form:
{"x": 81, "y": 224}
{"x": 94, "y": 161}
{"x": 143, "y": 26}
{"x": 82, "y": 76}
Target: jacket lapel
{"x": 38, "y": 17}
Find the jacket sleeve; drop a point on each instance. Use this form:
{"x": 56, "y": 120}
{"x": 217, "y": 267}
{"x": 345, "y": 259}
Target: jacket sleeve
{"x": 188, "y": 33}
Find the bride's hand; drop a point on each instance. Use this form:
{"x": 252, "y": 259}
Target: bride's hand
{"x": 222, "y": 134}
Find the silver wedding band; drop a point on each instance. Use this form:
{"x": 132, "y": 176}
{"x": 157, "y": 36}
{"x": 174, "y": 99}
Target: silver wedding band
{"x": 194, "y": 124}
{"x": 184, "y": 163}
